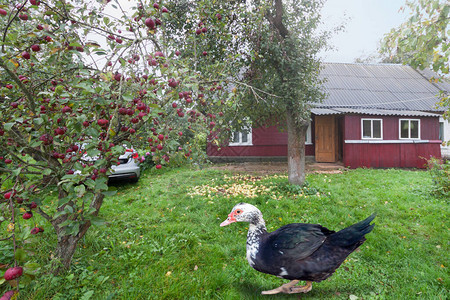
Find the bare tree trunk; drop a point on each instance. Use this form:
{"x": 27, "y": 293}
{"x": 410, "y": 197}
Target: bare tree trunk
{"x": 296, "y": 150}
{"x": 67, "y": 243}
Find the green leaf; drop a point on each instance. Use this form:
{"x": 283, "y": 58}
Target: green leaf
{"x": 97, "y": 221}
{"x": 109, "y": 192}
{"x": 80, "y": 190}
{"x": 20, "y": 255}
{"x": 69, "y": 209}
{"x": 59, "y": 213}
{"x": 8, "y": 126}
{"x": 16, "y": 172}
{"x": 47, "y": 172}
{"x": 127, "y": 96}
{"x": 38, "y": 121}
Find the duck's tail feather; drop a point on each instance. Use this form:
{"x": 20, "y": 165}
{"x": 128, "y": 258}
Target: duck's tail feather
{"x": 353, "y": 234}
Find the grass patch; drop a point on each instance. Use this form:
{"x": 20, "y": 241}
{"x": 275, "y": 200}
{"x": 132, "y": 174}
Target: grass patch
{"x": 163, "y": 240}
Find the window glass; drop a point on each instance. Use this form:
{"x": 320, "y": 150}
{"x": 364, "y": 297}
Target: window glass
{"x": 414, "y": 125}
{"x": 236, "y": 137}
{"x": 366, "y": 129}
{"x": 441, "y": 131}
{"x": 376, "y": 129}
{"x": 404, "y": 129}
{"x": 244, "y": 137}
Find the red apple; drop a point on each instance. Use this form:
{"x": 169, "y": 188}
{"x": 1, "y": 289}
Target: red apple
{"x": 66, "y": 109}
{"x": 204, "y": 53}
{"x": 164, "y": 10}
{"x": 35, "y": 2}
{"x": 156, "y": 5}
{"x": 219, "y": 16}
{"x": 23, "y": 17}
{"x": 150, "y": 23}
{"x": 8, "y": 195}
{"x": 13, "y": 273}
{"x": 8, "y": 295}
{"x": 27, "y": 215}
{"x": 26, "y": 55}
{"x": 158, "y": 167}
{"x": 118, "y": 77}
{"x": 3, "y": 12}
{"x": 35, "y": 230}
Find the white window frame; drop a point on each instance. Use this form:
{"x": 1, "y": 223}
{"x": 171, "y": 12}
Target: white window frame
{"x": 371, "y": 129}
{"x": 409, "y": 129}
{"x": 441, "y": 126}
{"x": 240, "y": 133}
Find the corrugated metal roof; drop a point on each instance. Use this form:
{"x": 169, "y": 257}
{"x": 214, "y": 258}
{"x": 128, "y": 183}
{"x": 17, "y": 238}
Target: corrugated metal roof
{"x": 373, "y": 112}
{"x": 383, "y": 86}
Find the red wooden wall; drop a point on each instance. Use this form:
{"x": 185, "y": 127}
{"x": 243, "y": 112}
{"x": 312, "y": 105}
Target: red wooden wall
{"x": 393, "y": 152}
{"x": 267, "y": 141}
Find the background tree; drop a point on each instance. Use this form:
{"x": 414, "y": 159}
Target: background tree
{"x": 273, "y": 45}
{"x": 422, "y": 41}
{"x": 286, "y": 66}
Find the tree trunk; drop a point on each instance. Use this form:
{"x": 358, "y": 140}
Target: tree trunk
{"x": 67, "y": 243}
{"x": 296, "y": 149}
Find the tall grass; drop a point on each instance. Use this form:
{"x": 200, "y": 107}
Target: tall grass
{"x": 163, "y": 241}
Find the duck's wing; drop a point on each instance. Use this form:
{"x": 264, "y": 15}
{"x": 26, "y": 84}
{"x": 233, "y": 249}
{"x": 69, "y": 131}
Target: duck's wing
{"x": 298, "y": 240}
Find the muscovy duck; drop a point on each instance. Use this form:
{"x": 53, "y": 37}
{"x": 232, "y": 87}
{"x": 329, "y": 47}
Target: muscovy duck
{"x": 298, "y": 251}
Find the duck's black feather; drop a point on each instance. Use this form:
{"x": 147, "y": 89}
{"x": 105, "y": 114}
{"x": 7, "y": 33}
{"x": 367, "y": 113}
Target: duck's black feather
{"x": 298, "y": 240}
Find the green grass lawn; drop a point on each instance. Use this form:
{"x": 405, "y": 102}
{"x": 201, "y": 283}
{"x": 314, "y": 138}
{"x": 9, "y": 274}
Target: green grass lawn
{"x": 163, "y": 239}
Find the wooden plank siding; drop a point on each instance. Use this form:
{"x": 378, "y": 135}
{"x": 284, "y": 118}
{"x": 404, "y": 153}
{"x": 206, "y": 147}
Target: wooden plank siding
{"x": 391, "y": 151}
{"x": 267, "y": 142}
{"x": 353, "y": 150}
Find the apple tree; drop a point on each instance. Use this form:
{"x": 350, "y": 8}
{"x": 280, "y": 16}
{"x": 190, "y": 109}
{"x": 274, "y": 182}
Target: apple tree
{"x": 81, "y": 81}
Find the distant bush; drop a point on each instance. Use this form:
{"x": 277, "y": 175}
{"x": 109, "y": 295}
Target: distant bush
{"x": 440, "y": 173}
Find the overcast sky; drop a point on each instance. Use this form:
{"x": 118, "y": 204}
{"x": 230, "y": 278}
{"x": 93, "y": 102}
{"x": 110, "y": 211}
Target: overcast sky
{"x": 368, "y": 21}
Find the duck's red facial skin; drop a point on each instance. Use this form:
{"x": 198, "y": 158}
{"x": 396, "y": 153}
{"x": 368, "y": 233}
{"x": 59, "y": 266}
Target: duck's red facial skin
{"x": 231, "y": 218}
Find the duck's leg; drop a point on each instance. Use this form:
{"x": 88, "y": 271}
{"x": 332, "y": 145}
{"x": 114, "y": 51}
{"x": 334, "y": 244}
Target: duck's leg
{"x": 285, "y": 288}
{"x": 301, "y": 289}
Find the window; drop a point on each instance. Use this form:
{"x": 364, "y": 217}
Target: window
{"x": 372, "y": 128}
{"x": 409, "y": 129}
{"x": 441, "y": 130}
{"x": 241, "y": 138}
{"x": 308, "y": 140}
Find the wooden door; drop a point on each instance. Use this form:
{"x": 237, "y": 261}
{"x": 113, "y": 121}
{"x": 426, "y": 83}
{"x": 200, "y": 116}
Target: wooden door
{"x": 326, "y": 139}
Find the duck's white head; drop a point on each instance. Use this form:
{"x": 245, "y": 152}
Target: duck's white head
{"x": 244, "y": 212}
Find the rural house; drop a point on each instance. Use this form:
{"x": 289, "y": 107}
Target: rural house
{"x": 375, "y": 115}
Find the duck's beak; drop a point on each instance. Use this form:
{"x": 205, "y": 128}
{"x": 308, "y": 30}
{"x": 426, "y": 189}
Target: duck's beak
{"x": 229, "y": 220}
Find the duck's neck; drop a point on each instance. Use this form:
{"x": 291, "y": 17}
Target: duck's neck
{"x": 255, "y": 231}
